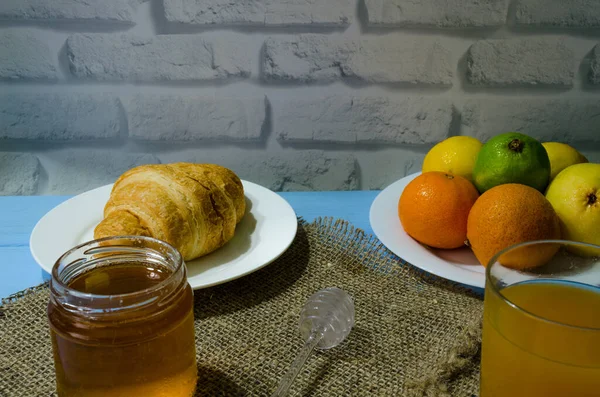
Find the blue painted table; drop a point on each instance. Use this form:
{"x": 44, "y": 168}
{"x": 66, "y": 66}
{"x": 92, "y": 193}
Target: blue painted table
{"x": 18, "y": 216}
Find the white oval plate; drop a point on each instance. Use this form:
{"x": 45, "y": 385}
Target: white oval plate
{"x": 266, "y": 231}
{"x": 458, "y": 265}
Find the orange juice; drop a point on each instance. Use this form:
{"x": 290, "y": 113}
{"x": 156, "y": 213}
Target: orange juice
{"x": 548, "y": 346}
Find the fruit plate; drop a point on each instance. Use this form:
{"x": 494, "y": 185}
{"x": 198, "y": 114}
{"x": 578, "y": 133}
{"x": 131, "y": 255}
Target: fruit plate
{"x": 266, "y": 231}
{"x": 459, "y": 265}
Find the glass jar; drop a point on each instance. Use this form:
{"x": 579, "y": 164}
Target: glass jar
{"x": 121, "y": 320}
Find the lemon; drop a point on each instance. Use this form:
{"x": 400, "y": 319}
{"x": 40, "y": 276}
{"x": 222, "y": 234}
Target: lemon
{"x": 561, "y": 156}
{"x": 455, "y": 155}
{"x": 512, "y": 157}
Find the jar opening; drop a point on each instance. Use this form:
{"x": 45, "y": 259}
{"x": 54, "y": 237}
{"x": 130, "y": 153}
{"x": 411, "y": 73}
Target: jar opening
{"x": 162, "y": 263}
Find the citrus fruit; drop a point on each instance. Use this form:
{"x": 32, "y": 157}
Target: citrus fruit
{"x": 434, "y": 207}
{"x": 575, "y": 196}
{"x": 561, "y": 156}
{"x": 510, "y": 214}
{"x": 455, "y": 155}
{"x": 512, "y": 158}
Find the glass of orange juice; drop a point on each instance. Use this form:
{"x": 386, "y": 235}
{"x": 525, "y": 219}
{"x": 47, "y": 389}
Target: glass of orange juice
{"x": 541, "y": 326}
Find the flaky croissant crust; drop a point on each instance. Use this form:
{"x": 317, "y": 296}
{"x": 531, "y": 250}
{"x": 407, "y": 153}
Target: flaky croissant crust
{"x": 194, "y": 207}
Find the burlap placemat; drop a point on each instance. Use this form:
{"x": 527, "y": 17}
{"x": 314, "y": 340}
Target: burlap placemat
{"x": 415, "y": 335}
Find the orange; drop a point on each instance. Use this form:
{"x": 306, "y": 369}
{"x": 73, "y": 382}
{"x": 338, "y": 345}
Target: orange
{"x": 434, "y": 208}
{"x": 510, "y": 214}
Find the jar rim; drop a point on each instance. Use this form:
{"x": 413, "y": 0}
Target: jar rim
{"x": 170, "y": 251}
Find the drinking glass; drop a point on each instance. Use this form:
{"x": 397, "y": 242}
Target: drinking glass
{"x": 541, "y": 326}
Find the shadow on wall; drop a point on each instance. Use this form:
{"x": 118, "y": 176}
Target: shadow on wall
{"x": 586, "y": 73}
{"x": 68, "y": 26}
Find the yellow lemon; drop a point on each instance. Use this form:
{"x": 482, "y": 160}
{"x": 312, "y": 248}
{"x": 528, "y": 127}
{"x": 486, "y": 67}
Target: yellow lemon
{"x": 455, "y": 155}
{"x": 561, "y": 156}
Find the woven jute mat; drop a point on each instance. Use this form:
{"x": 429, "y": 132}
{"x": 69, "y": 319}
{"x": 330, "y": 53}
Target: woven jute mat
{"x": 415, "y": 335}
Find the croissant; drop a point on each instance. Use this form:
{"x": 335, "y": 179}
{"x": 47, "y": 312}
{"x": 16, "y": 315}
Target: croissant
{"x": 193, "y": 207}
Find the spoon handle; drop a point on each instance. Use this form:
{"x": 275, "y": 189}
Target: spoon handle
{"x": 298, "y": 363}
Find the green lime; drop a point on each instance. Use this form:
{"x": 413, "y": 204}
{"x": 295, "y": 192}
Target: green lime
{"x": 512, "y": 158}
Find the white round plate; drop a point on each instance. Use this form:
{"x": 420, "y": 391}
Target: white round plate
{"x": 458, "y": 265}
{"x": 266, "y": 231}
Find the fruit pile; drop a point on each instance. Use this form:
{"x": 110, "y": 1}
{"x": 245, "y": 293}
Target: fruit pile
{"x": 510, "y": 190}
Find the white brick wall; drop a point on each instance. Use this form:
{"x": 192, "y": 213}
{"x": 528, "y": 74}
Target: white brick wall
{"x": 292, "y": 94}
{"x": 389, "y": 59}
{"x": 441, "y": 13}
{"x": 67, "y": 10}
{"x": 116, "y": 57}
{"x": 25, "y": 56}
{"x": 267, "y": 12}
{"x": 525, "y": 62}
{"x": 558, "y": 13}
{"x": 346, "y": 119}
{"x": 65, "y": 116}
{"x": 179, "y": 118}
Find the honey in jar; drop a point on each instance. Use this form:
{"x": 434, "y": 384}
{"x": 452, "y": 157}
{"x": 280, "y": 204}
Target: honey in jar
{"x": 121, "y": 320}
